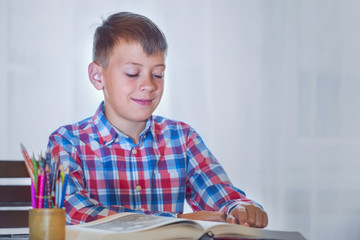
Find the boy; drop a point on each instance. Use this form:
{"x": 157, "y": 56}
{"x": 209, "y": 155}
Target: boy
{"x": 124, "y": 158}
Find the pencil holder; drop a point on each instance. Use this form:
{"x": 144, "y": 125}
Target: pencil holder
{"x": 47, "y": 224}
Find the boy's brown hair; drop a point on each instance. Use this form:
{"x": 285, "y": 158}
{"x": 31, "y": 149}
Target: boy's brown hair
{"x": 129, "y": 27}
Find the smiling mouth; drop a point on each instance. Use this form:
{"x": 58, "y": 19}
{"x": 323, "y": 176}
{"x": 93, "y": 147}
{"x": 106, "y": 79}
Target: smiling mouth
{"x": 143, "y": 102}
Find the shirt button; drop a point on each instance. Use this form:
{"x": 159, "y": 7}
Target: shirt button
{"x": 134, "y": 151}
{"x": 138, "y": 188}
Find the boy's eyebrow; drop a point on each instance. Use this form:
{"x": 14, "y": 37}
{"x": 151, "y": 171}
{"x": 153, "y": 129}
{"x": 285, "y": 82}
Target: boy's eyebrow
{"x": 139, "y": 64}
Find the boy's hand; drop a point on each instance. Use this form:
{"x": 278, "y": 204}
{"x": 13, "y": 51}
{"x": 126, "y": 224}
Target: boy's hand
{"x": 248, "y": 215}
{"x": 204, "y": 215}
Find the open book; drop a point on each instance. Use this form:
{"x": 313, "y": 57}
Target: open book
{"x": 138, "y": 226}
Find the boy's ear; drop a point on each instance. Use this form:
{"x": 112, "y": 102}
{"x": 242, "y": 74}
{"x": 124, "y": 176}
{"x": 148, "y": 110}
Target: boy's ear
{"x": 95, "y": 76}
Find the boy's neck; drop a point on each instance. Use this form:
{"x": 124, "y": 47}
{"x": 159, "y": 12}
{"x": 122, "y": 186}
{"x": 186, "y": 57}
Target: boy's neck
{"x": 129, "y": 128}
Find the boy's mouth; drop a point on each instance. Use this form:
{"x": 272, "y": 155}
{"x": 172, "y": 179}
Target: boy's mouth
{"x": 143, "y": 102}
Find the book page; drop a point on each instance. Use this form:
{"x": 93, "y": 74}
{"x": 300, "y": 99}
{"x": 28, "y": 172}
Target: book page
{"x": 232, "y": 230}
{"x": 133, "y": 223}
{"x": 220, "y": 228}
{"x": 135, "y": 227}
{"x": 130, "y": 222}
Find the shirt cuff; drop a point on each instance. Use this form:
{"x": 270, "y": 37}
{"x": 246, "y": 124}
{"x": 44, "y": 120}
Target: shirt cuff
{"x": 229, "y": 206}
{"x": 166, "y": 214}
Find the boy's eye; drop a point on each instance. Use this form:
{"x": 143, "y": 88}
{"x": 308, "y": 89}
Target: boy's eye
{"x": 158, "y": 76}
{"x": 132, "y": 75}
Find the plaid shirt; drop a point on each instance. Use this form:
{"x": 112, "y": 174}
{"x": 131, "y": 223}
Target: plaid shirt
{"x": 111, "y": 174}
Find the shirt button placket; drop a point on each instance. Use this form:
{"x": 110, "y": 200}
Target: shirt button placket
{"x": 134, "y": 151}
{"x": 135, "y": 178}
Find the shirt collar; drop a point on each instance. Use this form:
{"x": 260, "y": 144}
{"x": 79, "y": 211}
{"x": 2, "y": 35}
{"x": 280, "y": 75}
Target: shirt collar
{"x": 149, "y": 129}
{"x": 108, "y": 133}
{"x": 105, "y": 131}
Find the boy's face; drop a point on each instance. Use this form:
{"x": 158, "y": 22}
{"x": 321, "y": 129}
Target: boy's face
{"x": 132, "y": 83}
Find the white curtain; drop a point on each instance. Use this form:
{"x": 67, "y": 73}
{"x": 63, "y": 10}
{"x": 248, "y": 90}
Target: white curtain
{"x": 271, "y": 86}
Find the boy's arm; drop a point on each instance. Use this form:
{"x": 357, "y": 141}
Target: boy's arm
{"x": 209, "y": 188}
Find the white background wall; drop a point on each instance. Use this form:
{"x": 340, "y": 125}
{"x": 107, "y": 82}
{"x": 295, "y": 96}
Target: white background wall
{"x": 271, "y": 86}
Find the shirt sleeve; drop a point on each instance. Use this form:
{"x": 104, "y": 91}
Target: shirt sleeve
{"x": 80, "y": 208}
{"x": 208, "y": 186}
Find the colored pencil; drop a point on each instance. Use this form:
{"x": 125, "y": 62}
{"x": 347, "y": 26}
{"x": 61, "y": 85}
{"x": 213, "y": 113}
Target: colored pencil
{"x": 48, "y": 191}
{"x": 41, "y": 189}
{"x": 27, "y": 161}
{"x": 57, "y": 185}
{"x": 35, "y": 169}
{"x": 66, "y": 180}
{"x": 33, "y": 194}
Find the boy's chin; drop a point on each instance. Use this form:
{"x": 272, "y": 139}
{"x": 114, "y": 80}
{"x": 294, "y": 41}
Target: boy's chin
{"x": 142, "y": 118}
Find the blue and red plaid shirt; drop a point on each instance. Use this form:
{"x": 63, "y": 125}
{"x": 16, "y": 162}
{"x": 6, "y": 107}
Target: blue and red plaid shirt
{"x": 110, "y": 174}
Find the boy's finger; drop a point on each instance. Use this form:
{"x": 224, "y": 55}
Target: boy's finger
{"x": 231, "y": 219}
{"x": 265, "y": 219}
{"x": 259, "y": 218}
{"x": 241, "y": 215}
{"x": 251, "y": 214}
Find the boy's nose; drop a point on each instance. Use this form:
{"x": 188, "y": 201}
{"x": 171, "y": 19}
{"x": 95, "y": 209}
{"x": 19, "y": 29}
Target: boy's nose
{"x": 147, "y": 83}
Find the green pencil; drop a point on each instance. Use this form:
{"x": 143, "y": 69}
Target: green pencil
{"x": 35, "y": 168}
